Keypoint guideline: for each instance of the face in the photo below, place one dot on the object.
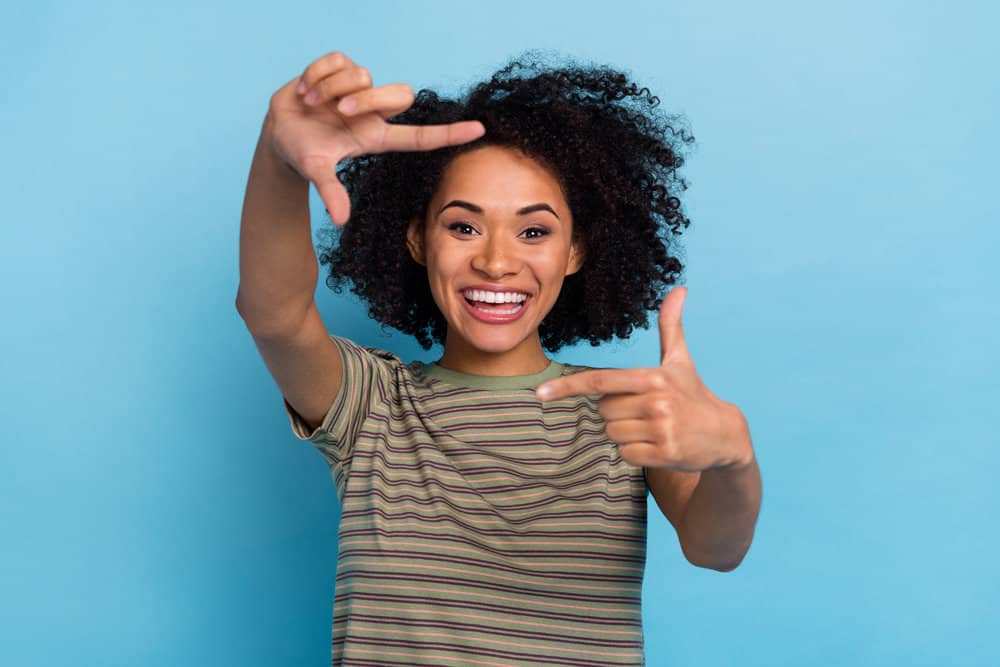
(498, 223)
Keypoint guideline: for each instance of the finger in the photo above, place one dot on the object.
(336, 199)
(630, 430)
(604, 381)
(672, 343)
(430, 137)
(323, 67)
(343, 82)
(321, 172)
(624, 406)
(387, 101)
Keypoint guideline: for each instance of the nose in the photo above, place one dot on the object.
(496, 258)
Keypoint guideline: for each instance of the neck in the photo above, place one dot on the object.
(527, 358)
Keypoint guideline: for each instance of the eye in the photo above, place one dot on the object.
(538, 232)
(463, 225)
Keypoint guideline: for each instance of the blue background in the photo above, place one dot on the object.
(155, 506)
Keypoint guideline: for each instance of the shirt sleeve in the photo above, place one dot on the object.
(366, 379)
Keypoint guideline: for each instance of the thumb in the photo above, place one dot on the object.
(672, 343)
(334, 196)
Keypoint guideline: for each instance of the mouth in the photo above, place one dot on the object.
(495, 308)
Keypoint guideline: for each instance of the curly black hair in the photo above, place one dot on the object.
(598, 134)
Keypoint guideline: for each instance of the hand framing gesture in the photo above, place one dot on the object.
(663, 416)
(332, 112)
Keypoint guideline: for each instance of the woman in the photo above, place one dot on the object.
(479, 523)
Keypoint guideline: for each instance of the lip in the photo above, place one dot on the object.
(493, 318)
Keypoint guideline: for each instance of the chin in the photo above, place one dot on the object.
(492, 338)
(496, 343)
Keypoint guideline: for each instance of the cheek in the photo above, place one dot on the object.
(554, 266)
(439, 272)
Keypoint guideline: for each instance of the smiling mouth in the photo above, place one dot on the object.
(496, 308)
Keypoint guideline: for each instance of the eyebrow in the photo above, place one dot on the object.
(476, 209)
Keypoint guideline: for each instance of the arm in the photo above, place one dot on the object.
(717, 524)
(696, 448)
(278, 268)
(278, 274)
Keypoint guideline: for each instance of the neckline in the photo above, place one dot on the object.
(433, 370)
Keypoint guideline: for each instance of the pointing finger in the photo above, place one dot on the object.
(430, 137)
(603, 381)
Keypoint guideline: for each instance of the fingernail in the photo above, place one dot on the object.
(347, 105)
(312, 96)
(543, 392)
(302, 86)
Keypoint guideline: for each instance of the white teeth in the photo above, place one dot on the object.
(494, 297)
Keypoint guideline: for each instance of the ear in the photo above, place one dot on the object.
(415, 241)
(577, 255)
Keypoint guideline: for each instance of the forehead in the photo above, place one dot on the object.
(497, 177)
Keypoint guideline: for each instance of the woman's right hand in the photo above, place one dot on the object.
(309, 129)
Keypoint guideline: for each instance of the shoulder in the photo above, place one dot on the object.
(372, 367)
(367, 353)
(582, 402)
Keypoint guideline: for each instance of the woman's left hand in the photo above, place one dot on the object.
(664, 417)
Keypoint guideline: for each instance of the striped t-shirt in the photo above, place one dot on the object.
(478, 525)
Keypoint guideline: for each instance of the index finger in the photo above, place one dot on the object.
(430, 137)
(599, 381)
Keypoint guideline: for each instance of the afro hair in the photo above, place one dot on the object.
(597, 132)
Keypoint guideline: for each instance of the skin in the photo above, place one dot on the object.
(497, 246)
